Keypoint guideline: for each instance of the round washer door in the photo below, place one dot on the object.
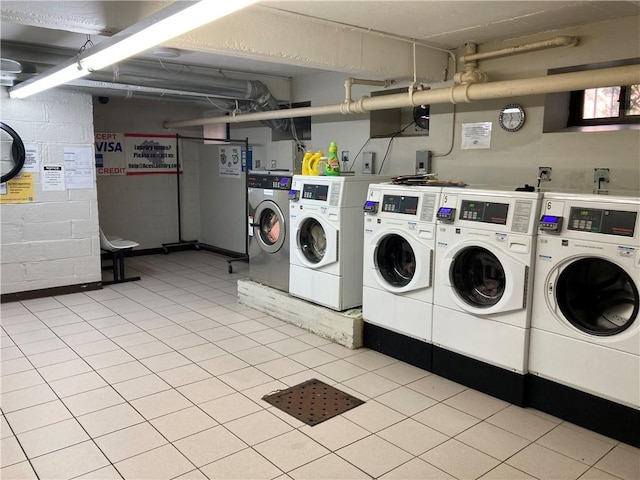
(478, 277)
(269, 226)
(395, 260)
(597, 296)
(312, 240)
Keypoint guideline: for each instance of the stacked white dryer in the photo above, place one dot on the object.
(585, 330)
(399, 244)
(485, 254)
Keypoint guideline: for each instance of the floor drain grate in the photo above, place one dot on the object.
(313, 401)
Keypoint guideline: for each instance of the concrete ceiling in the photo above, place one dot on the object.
(445, 24)
(450, 24)
(290, 39)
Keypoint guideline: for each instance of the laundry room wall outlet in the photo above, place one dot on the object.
(368, 159)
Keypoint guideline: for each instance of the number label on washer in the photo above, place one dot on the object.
(449, 199)
(553, 207)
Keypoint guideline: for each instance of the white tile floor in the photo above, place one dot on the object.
(163, 378)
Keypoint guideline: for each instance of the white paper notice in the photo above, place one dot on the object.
(79, 162)
(230, 165)
(31, 159)
(52, 178)
(476, 135)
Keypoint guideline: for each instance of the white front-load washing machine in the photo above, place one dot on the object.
(326, 239)
(399, 243)
(397, 292)
(585, 328)
(485, 245)
(268, 201)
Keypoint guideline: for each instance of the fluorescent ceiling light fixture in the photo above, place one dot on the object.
(170, 22)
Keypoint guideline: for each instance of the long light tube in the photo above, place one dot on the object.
(170, 22)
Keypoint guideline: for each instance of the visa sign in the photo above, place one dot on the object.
(108, 147)
(109, 152)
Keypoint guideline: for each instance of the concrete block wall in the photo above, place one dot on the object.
(52, 242)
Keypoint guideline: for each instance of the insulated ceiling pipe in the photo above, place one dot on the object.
(465, 93)
(349, 82)
(470, 59)
(252, 95)
(562, 41)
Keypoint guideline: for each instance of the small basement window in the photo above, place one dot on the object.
(605, 106)
(593, 109)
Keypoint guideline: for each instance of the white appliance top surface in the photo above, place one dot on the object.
(340, 178)
(470, 193)
(404, 188)
(281, 173)
(577, 198)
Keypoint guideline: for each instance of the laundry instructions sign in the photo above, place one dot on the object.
(230, 164)
(135, 153)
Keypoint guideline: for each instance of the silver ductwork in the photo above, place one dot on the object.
(152, 80)
(12, 71)
(228, 94)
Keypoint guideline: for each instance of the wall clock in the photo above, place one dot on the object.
(511, 117)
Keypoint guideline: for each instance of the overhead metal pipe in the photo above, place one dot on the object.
(465, 93)
(349, 82)
(561, 41)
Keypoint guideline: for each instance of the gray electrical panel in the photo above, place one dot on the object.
(368, 159)
(423, 162)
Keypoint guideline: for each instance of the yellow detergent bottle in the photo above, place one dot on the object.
(313, 162)
(333, 164)
(305, 162)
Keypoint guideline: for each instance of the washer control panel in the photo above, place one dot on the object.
(550, 223)
(446, 214)
(608, 222)
(400, 204)
(370, 206)
(485, 212)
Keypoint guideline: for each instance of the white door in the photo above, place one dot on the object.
(316, 242)
(400, 263)
(483, 280)
(595, 296)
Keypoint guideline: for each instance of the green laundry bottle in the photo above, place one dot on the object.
(333, 164)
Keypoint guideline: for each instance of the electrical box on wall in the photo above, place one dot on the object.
(387, 123)
(368, 159)
(423, 162)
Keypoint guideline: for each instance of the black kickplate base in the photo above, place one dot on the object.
(313, 401)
